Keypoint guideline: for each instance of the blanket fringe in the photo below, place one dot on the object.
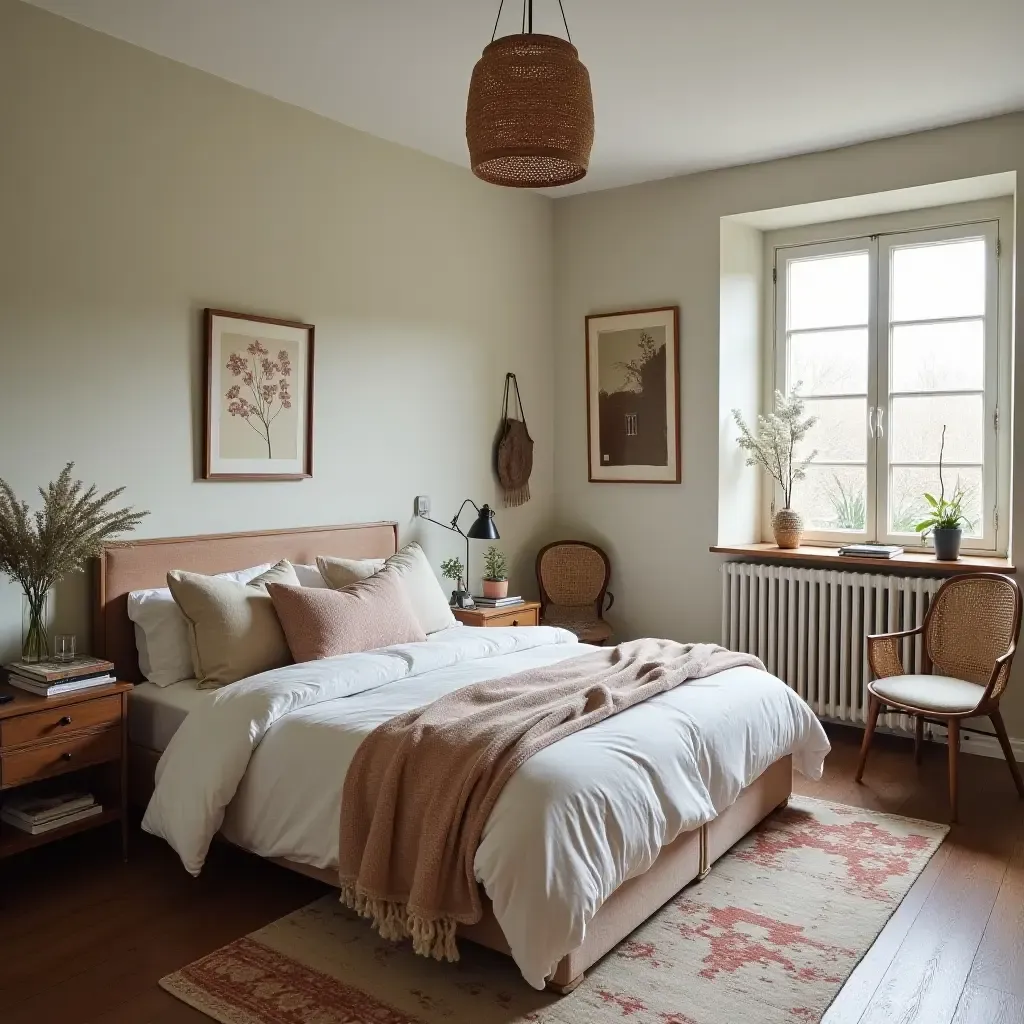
(431, 937)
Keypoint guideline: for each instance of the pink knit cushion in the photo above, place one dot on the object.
(360, 617)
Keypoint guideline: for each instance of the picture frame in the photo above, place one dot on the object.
(633, 437)
(257, 397)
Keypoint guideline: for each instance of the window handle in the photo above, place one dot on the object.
(878, 421)
(871, 421)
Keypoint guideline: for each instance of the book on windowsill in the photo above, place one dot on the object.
(60, 671)
(54, 823)
(871, 550)
(60, 688)
(34, 808)
(497, 602)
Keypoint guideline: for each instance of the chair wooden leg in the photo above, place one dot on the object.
(874, 707)
(918, 737)
(954, 761)
(1004, 742)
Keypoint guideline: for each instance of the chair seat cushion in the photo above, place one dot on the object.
(588, 631)
(940, 694)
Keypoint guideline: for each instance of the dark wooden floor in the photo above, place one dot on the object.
(84, 938)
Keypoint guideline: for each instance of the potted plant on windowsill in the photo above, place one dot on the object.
(773, 449)
(945, 520)
(495, 579)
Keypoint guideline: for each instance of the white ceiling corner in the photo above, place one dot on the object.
(679, 86)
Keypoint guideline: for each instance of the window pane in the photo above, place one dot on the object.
(829, 291)
(829, 362)
(939, 357)
(833, 498)
(909, 484)
(916, 429)
(840, 435)
(938, 280)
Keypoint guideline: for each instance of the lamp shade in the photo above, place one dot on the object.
(530, 115)
(483, 527)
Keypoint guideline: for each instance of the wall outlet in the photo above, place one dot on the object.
(422, 505)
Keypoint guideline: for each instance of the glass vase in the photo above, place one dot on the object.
(35, 636)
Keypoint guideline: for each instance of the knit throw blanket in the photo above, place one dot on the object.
(422, 785)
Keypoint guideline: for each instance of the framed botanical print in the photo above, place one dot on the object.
(258, 399)
(633, 397)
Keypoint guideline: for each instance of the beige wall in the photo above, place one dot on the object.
(135, 191)
(657, 244)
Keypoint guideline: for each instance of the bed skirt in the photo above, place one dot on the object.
(687, 859)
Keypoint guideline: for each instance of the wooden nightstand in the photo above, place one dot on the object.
(44, 737)
(525, 614)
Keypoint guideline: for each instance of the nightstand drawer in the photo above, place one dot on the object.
(52, 723)
(522, 617)
(40, 762)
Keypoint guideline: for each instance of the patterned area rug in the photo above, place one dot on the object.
(768, 937)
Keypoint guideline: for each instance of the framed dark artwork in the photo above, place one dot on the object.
(633, 397)
(258, 398)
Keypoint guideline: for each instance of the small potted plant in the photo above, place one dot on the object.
(453, 569)
(772, 449)
(495, 573)
(945, 520)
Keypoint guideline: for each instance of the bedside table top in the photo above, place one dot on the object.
(25, 703)
(485, 611)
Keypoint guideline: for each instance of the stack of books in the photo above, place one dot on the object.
(36, 814)
(52, 678)
(871, 550)
(496, 602)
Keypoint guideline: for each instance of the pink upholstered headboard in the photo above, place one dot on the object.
(142, 564)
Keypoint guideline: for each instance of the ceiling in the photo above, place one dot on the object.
(679, 86)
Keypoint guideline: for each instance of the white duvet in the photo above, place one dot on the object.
(266, 759)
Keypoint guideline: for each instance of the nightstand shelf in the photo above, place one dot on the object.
(13, 840)
(79, 736)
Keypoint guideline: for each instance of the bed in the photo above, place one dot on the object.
(252, 820)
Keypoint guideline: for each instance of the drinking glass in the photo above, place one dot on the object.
(64, 647)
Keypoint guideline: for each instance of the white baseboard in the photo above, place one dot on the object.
(977, 743)
(970, 742)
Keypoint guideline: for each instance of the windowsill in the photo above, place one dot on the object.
(918, 561)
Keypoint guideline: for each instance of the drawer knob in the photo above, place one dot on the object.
(515, 622)
(66, 756)
(66, 720)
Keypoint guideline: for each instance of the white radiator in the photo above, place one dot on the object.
(808, 626)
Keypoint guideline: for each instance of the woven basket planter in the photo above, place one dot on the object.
(530, 116)
(788, 527)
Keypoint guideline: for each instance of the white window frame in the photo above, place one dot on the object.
(991, 219)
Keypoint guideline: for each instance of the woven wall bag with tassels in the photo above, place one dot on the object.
(514, 450)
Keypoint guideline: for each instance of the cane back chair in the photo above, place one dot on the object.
(970, 635)
(572, 577)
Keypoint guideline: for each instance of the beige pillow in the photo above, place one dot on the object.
(344, 571)
(233, 628)
(364, 616)
(426, 598)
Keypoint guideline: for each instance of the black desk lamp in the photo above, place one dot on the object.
(483, 528)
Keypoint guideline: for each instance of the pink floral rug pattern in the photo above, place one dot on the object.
(768, 937)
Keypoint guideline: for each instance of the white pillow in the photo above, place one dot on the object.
(309, 576)
(161, 631)
(422, 589)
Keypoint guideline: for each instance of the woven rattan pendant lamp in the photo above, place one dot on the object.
(530, 116)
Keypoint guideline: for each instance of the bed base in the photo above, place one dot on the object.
(686, 860)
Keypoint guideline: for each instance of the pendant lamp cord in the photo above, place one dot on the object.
(527, 23)
(564, 22)
(496, 20)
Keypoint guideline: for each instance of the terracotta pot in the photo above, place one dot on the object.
(495, 588)
(788, 527)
